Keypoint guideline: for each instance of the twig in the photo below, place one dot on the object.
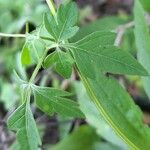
(120, 32)
(122, 28)
(119, 36)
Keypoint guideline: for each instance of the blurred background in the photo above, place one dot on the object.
(60, 133)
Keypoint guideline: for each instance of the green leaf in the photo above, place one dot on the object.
(22, 122)
(32, 50)
(63, 62)
(95, 51)
(51, 100)
(94, 118)
(19, 67)
(51, 59)
(142, 38)
(97, 39)
(25, 55)
(62, 28)
(83, 138)
(37, 48)
(119, 111)
(146, 4)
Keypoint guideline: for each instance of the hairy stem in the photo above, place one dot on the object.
(36, 70)
(13, 35)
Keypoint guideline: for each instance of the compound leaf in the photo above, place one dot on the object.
(62, 27)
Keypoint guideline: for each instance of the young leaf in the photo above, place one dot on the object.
(119, 111)
(95, 51)
(62, 27)
(22, 122)
(51, 59)
(37, 48)
(25, 55)
(142, 38)
(51, 100)
(32, 50)
(63, 62)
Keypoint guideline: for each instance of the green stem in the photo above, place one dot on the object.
(13, 35)
(36, 70)
(27, 27)
(51, 7)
